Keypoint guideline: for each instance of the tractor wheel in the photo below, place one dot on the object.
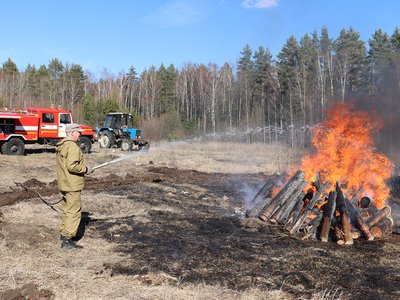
(126, 144)
(85, 144)
(107, 139)
(13, 146)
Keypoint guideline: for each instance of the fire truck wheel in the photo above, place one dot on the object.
(85, 144)
(126, 144)
(13, 147)
(107, 139)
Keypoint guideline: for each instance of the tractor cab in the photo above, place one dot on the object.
(118, 120)
(118, 131)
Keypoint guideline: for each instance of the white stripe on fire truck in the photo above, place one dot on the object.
(26, 128)
(49, 127)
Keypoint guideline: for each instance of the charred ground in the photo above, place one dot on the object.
(189, 226)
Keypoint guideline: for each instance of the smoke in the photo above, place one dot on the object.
(395, 207)
(386, 106)
(248, 192)
(387, 138)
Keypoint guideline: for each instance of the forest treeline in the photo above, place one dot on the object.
(289, 91)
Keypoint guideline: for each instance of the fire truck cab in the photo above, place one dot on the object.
(45, 126)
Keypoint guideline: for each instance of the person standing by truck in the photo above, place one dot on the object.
(71, 170)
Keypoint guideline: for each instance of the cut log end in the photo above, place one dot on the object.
(376, 232)
(355, 234)
(349, 242)
(383, 228)
(381, 214)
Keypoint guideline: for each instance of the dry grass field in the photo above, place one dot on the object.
(164, 224)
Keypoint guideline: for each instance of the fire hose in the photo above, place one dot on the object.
(93, 218)
(40, 196)
(50, 204)
(101, 165)
(94, 168)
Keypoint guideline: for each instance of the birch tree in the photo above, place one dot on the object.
(326, 47)
(214, 79)
(150, 87)
(202, 96)
(227, 92)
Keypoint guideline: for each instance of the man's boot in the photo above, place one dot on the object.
(67, 243)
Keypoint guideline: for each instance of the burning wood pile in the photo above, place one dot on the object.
(320, 213)
(341, 191)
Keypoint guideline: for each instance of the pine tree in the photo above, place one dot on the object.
(380, 59)
(168, 77)
(246, 83)
(55, 71)
(33, 85)
(262, 73)
(288, 67)
(324, 69)
(350, 61)
(307, 78)
(131, 86)
(90, 114)
(10, 73)
(43, 84)
(75, 78)
(262, 65)
(395, 41)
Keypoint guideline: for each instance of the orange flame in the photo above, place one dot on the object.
(345, 153)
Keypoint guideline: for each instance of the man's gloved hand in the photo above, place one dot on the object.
(89, 170)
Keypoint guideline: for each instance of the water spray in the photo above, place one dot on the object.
(168, 145)
(117, 160)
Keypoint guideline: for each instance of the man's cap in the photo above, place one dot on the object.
(73, 127)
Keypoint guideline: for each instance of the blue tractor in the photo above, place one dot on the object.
(118, 131)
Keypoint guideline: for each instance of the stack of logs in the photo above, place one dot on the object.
(318, 213)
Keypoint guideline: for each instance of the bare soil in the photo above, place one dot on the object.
(169, 224)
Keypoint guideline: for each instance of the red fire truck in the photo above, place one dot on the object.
(45, 126)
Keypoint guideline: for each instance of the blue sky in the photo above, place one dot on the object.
(113, 35)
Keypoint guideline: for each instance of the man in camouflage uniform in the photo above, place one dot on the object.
(71, 170)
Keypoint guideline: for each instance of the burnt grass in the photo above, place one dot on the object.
(201, 239)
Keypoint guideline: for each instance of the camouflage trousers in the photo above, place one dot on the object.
(71, 213)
